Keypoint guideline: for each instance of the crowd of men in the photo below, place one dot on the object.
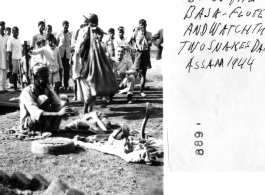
(52, 61)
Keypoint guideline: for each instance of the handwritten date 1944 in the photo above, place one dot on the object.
(219, 63)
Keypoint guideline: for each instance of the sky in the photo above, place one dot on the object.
(111, 14)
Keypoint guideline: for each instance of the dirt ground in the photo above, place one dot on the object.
(88, 170)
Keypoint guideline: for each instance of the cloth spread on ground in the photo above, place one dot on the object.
(133, 151)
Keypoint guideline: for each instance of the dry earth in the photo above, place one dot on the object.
(88, 170)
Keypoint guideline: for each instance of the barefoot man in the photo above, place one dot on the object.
(143, 42)
(40, 108)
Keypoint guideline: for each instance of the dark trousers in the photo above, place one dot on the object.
(14, 80)
(159, 53)
(66, 72)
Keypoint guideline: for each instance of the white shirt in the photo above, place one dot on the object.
(3, 43)
(52, 57)
(36, 37)
(121, 42)
(142, 40)
(64, 43)
(15, 46)
(120, 68)
(38, 59)
(125, 44)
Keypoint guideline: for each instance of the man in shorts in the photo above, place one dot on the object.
(14, 50)
(142, 62)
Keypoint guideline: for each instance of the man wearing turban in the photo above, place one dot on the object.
(40, 108)
(91, 67)
(82, 46)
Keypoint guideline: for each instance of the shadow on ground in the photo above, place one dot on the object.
(134, 113)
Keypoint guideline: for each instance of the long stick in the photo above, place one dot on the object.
(27, 60)
(21, 75)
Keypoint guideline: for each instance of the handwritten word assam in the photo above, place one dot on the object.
(219, 63)
(217, 13)
(223, 29)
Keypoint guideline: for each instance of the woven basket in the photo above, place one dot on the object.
(53, 146)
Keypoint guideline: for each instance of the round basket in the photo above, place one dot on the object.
(53, 146)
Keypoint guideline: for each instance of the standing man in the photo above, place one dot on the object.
(158, 41)
(64, 44)
(3, 58)
(110, 42)
(49, 31)
(143, 42)
(73, 41)
(40, 35)
(53, 59)
(80, 71)
(14, 50)
(124, 42)
(9, 72)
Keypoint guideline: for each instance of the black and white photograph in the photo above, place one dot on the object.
(81, 97)
(92, 103)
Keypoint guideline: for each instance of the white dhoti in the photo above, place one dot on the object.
(84, 91)
(3, 74)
